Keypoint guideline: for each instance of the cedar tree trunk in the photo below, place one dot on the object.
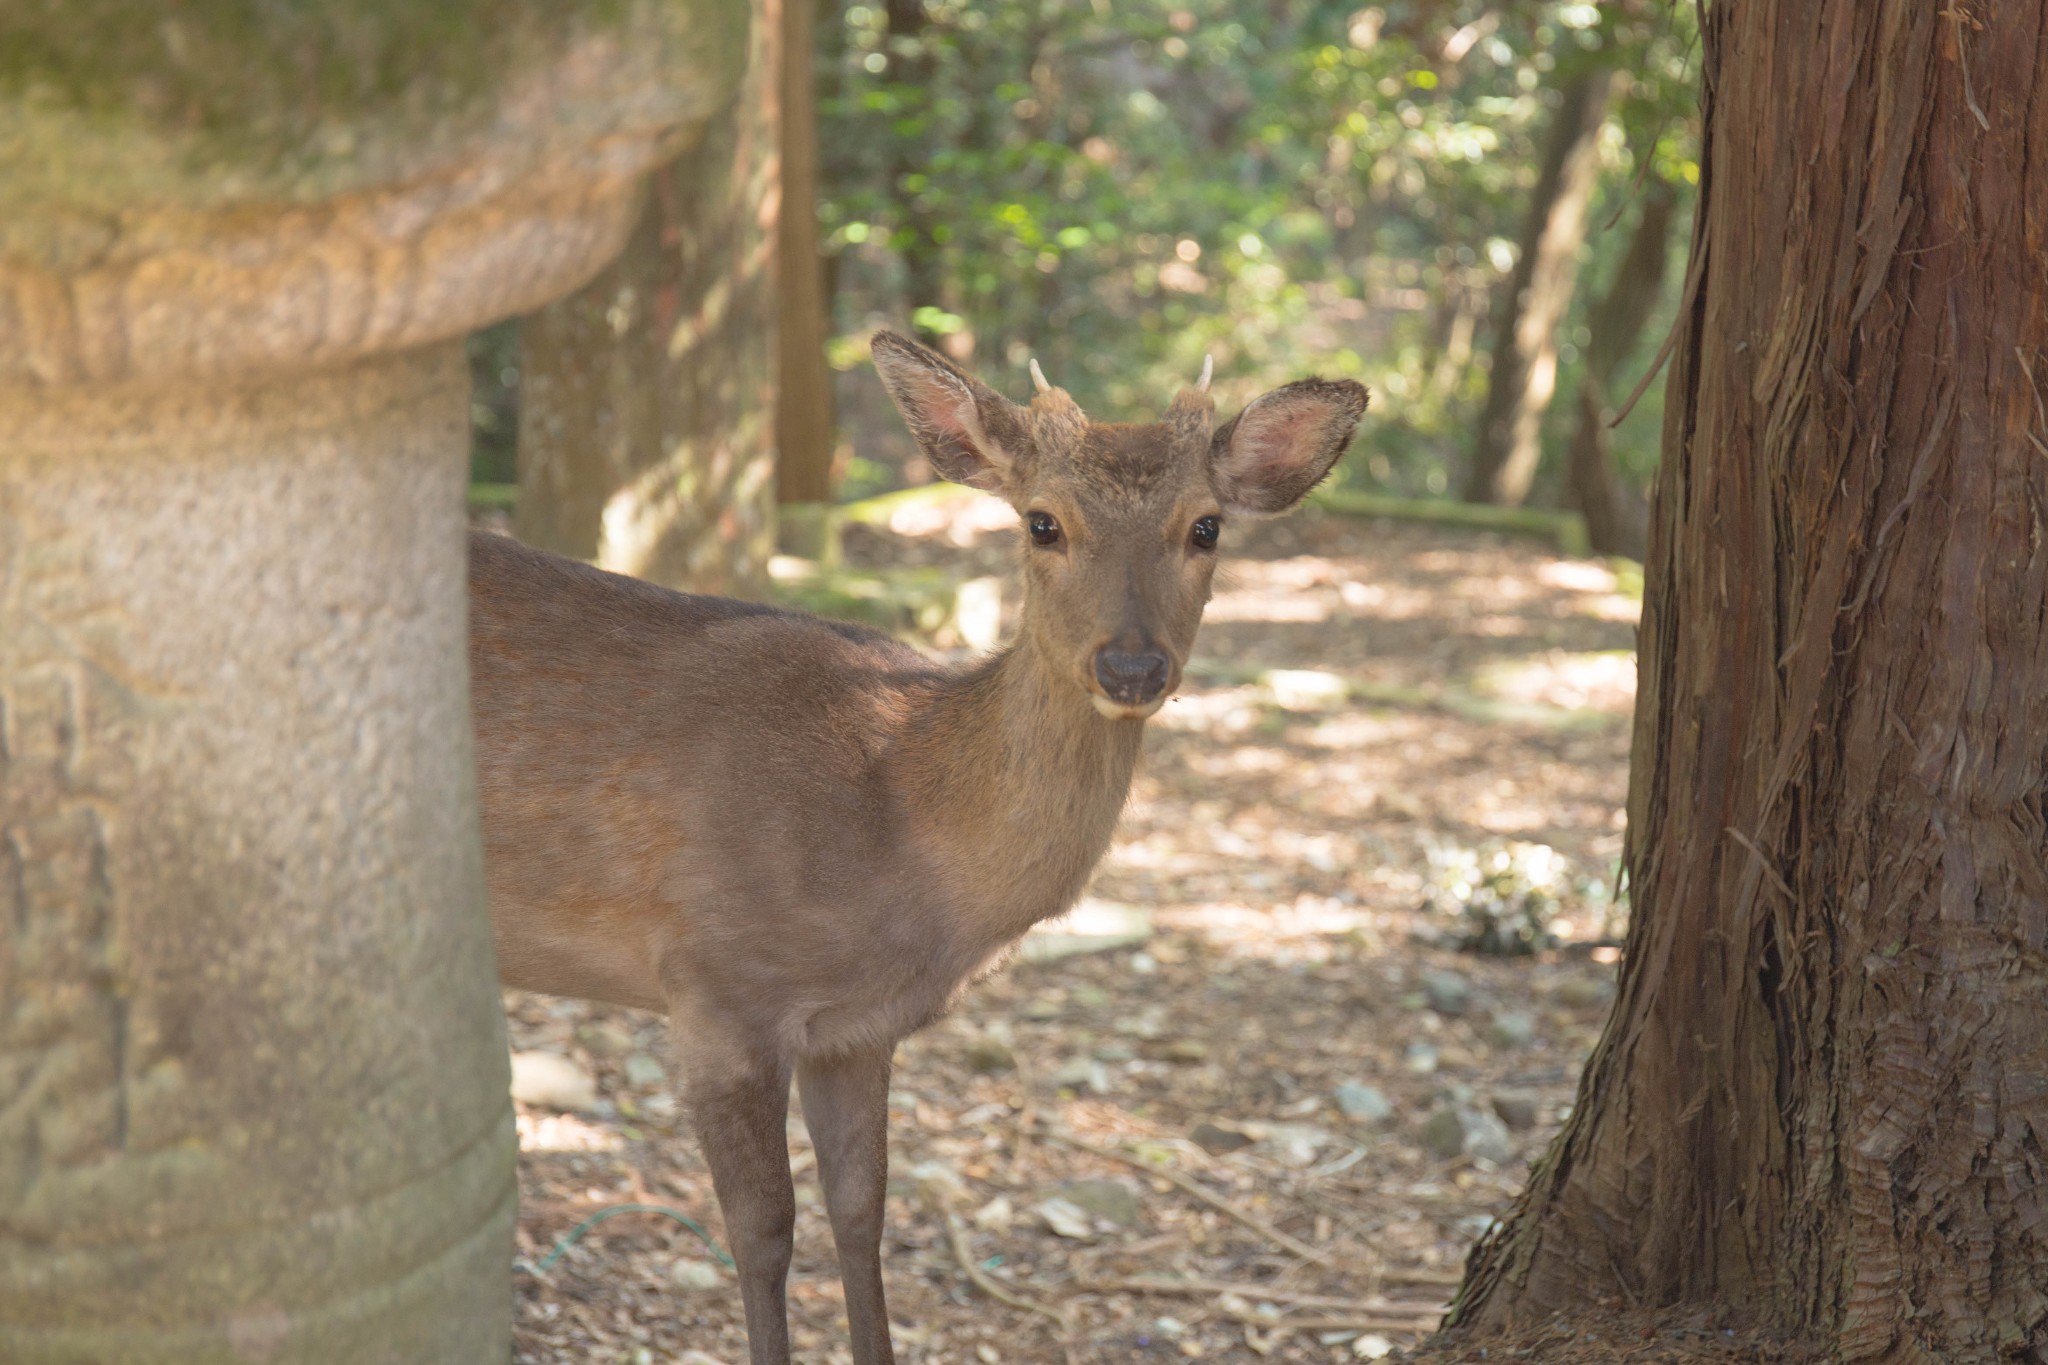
(1821, 1102)
(1524, 373)
(647, 429)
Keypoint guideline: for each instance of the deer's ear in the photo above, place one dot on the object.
(970, 433)
(1265, 459)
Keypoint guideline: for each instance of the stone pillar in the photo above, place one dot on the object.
(252, 1069)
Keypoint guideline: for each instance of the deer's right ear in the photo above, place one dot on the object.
(970, 433)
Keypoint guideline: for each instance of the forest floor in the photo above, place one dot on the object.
(1270, 1124)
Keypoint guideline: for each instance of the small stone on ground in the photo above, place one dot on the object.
(552, 1082)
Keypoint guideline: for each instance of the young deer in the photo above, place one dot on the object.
(801, 838)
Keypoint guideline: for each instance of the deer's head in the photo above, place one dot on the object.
(1121, 522)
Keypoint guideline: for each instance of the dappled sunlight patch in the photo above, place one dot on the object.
(1319, 588)
(1324, 592)
(1577, 575)
(1359, 596)
(1310, 928)
(565, 1133)
(1494, 590)
(959, 515)
(1600, 591)
(1497, 625)
(1442, 560)
(1305, 689)
(1210, 711)
(1603, 681)
(1259, 606)
(1360, 729)
(1389, 602)
(1160, 852)
(1243, 758)
(1612, 608)
(1504, 604)
(1296, 573)
(1511, 817)
(1507, 807)
(1095, 925)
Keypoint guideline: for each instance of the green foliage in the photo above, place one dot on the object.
(494, 404)
(1290, 186)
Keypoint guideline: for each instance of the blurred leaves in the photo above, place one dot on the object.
(1289, 185)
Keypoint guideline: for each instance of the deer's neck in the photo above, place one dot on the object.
(1018, 784)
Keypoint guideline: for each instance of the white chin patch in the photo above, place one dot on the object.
(1116, 710)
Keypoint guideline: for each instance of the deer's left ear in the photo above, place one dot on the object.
(1265, 459)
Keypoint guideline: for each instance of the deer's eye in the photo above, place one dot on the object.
(1207, 529)
(1044, 528)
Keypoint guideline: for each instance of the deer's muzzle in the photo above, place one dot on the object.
(1132, 679)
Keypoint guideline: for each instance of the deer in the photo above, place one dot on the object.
(802, 839)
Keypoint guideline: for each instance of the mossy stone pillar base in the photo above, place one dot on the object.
(253, 1085)
(253, 1091)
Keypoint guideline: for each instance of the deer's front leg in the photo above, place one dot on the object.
(740, 1107)
(846, 1107)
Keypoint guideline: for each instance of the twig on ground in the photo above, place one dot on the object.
(1027, 1114)
(1361, 1322)
(956, 1236)
(1269, 1293)
(1446, 1279)
(1337, 1166)
(1199, 1191)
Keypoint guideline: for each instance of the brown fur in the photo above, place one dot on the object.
(801, 838)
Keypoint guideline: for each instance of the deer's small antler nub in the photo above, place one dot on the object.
(1208, 368)
(1038, 377)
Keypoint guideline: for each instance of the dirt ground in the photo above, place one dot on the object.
(1271, 1127)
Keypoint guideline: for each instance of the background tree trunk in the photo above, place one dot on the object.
(1539, 290)
(913, 72)
(1616, 517)
(1821, 1100)
(803, 395)
(647, 425)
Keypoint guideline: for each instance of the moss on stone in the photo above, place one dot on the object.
(209, 102)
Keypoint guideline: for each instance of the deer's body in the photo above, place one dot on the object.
(784, 818)
(799, 838)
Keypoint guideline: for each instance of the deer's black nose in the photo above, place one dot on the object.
(1131, 679)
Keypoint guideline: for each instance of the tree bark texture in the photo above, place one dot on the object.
(647, 426)
(803, 395)
(1821, 1100)
(1524, 373)
(1616, 519)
